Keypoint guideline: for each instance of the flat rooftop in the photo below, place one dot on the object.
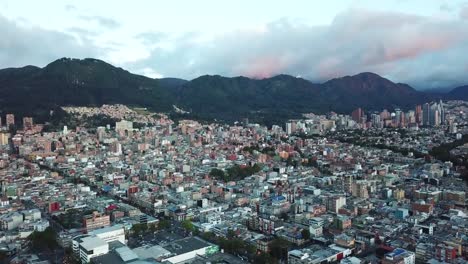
(187, 245)
(90, 243)
(106, 229)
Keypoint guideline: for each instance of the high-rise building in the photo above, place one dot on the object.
(289, 128)
(426, 114)
(384, 115)
(334, 203)
(453, 128)
(4, 138)
(442, 112)
(27, 123)
(359, 189)
(10, 120)
(376, 120)
(433, 114)
(419, 115)
(396, 116)
(402, 119)
(357, 115)
(101, 133)
(411, 117)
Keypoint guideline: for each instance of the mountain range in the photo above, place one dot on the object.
(34, 91)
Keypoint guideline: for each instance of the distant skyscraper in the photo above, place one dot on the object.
(397, 118)
(101, 132)
(426, 114)
(419, 115)
(442, 113)
(376, 121)
(27, 123)
(402, 119)
(411, 117)
(384, 115)
(289, 128)
(436, 114)
(10, 120)
(357, 115)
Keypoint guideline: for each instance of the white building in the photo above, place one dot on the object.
(123, 125)
(316, 227)
(110, 234)
(90, 247)
(11, 221)
(96, 243)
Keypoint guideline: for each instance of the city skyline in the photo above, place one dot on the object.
(417, 42)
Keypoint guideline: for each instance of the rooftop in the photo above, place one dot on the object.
(90, 243)
(186, 245)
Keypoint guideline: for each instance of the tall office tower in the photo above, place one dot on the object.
(426, 114)
(384, 115)
(375, 118)
(411, 117)
(293, 126)
(10, 120)
(402, 119)
(442, 113)
(435, 114)
(397, 117)
(27, 123)
(101, 133)
(357, 115)
(334, 203)
(418, 115)
(289, 128)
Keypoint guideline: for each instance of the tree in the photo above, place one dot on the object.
(188, 225)
(279, 248)
(305, 234)
(153, 228)
(264, 258)
(46, 240)
(231, 234)
(217, 173)
(163, 224)
(138, 229)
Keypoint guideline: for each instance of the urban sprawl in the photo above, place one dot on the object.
(370, 187)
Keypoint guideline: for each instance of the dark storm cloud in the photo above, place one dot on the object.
(21, 46)
(423, 51)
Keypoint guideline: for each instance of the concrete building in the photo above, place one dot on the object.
(399, 256)
(123, 125)
(87, 247)
(95, 220)
(334, 203)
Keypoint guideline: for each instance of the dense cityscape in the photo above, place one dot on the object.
(368, 187)
(234, 132)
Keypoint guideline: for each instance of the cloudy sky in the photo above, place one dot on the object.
(420, 42)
